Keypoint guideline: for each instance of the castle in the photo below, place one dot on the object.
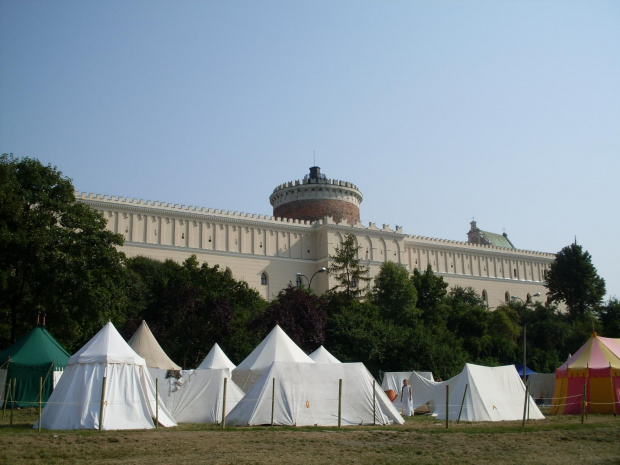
(310, 218)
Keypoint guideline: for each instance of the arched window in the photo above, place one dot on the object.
(485, 297)
(507, 296)
(298, 281)
(263, 279)
(353, 282)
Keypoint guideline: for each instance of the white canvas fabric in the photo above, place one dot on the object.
(276, 347)
(129, 401)
(198, 396)
(541, 387)
(144, 344)
(322, 355)
(493, 394)
(215, 359)
(394, 380)
(307, 394)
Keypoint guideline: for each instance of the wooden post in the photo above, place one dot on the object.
(273, 399)
(374, 403)
(40, 401)
(583, 403)
(102, 403)
(340, 403)
(6, 396)
(447, 403)
(613, 396)
(525, 402)
(224, 404)
(156, 403)
(13, 399)
(462, 402)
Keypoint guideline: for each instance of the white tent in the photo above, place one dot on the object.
(394, 380)
(198, 396)
(307, 394)
(486, 394)
(541, 387)
(322, 355)
(216, 358)
(129, 397)
(145, 345)
(276, 347)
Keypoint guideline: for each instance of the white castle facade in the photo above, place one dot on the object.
(268, 252)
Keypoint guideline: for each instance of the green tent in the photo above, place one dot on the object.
(36, 355)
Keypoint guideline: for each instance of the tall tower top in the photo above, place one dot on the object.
(316, 197)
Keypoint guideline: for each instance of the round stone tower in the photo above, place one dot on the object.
(315, 197)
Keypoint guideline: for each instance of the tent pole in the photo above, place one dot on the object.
(40, 401)
(527, 393)
(447, 403)
(340, 403)
(374, 404)
(613, 397)
(224, 404)
(6, 396)
(156, 403)
(462, 402)
(583, 403)
(273, 398)
(102, 403)
(13, 399)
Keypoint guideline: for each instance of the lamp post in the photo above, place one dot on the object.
(320, 270)
(525, 304)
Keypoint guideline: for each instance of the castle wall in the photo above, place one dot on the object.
(250, 245)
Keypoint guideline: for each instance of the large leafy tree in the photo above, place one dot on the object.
(572, 278)
(395, 294)
(300, 313)
(347, 269)
(56, 256)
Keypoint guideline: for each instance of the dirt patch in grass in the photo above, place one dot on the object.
(421, 440)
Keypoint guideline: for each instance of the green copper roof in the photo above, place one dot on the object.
(498, 240)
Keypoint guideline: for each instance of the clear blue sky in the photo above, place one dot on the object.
(439, 111)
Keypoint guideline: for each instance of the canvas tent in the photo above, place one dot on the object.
(198, 396)
(528, 370)
(276, 347)
(541, 387)
(146, 346)
(36, 355)
(478, 393)
(307, 394)
(128, 400)
(322, 355)
(394, 380)
(597, 366)
(216, 359)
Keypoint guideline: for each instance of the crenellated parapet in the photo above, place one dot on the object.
(316, 197)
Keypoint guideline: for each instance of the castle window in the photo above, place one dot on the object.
(353, 282)
(507, 296)
(515, 272)
(263, 279)
(298, 281)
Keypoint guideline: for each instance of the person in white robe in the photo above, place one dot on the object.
(406, 397)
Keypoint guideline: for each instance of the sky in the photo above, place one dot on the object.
(506, 112)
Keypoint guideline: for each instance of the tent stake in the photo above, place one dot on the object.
(374, 404)
(462, 402)
(156, 403)
(447, 403)
(102, 404)
(273, 399)
(40, 401)
(527, 393)
(340, 403)
(224, 404)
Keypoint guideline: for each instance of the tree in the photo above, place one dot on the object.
(394, 293)
(55, 255)
(300, 313)
(573, 279)
(347, 269)
(609, 316)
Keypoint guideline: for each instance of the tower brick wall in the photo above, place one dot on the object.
(317, 209)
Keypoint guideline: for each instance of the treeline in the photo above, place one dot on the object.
(57, 260)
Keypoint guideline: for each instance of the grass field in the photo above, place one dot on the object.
(421, 440)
